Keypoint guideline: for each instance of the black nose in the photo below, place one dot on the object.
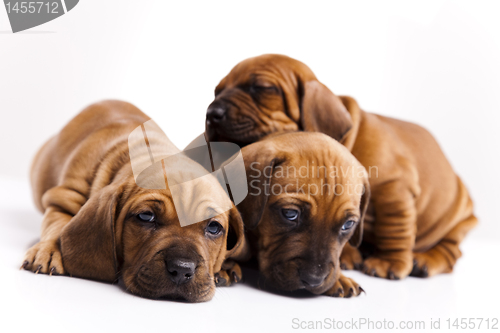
(180, 271)
(313, 279)
(216, 112)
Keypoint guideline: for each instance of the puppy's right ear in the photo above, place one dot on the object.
(357, 237)
(237, 246)
(260, 160)
(323, 112)
(88, 240)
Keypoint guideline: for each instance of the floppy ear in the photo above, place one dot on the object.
(357, 236)
(323, 112)
(291, 100)
(237, 246)
(260, 160)
(88, 240)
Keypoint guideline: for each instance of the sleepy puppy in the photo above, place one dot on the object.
(307, 198)
(99, 224)
(420, 210)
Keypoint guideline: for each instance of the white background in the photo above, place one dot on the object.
(435, 63)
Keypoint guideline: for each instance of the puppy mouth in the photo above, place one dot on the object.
(320, 289)
(151, 281)
(204, 293)
(286, 277)
(239, 127)
(241, 131)
(162, 289)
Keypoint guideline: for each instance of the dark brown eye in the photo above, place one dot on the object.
(214, 228)
(348, 225)
(146, 217)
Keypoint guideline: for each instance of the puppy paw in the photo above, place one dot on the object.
(229, 276)
(350, 258)
(392, 268)
(345, 287)
(429, 263)
(45, 258)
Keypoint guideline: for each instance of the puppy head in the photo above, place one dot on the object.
(273, 93)
(307, 198)
(134, 233)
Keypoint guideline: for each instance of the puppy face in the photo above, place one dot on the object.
(273, 93)
(307, 198)
(135, 233)
(163, 259)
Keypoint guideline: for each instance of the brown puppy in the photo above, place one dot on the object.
(307, 197)
(99, 224)
(420, 210)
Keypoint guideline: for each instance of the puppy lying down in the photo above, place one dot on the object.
(307, 198)
(99, 224)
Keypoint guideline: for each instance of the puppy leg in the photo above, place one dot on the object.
(394, 229)
(443, 256)
(230, 274)
(350, 258)
(45, 256)
(344, 287)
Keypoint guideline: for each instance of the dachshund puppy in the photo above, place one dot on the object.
(420, 210)
(99, 224)
(307, 198)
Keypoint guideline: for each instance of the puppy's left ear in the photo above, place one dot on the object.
(237, 246)
(88, 240)
(322, 111)
(357, 236)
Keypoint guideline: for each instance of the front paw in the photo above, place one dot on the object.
(391, 266)
(430, 263)
(350, 258)
(344, 287)
(45, 258)
(229, 275)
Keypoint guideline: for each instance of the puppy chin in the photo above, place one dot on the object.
(286, 277)
(197, 296)
(326, 285)
(194, 293)
(320, 289)
(151, 281)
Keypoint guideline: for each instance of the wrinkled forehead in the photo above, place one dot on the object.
(197, 193)
(326, 189)
(158, 200)
(271, 66)
(314, 170)
(254, 73)
(162, 202)
(303, 146)
(318, 170)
